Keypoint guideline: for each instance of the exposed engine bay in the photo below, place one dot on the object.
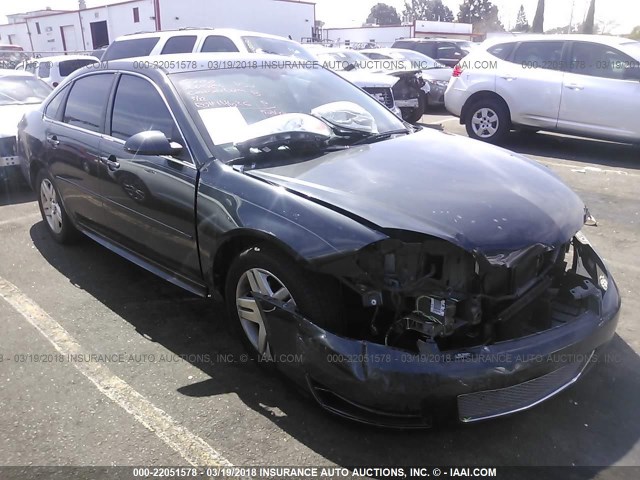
(418, 294)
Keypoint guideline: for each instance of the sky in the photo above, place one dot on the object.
(621, 15)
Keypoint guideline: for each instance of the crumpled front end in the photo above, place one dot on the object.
(444, 333)
(8, 156)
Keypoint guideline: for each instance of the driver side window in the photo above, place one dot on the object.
(138, 107)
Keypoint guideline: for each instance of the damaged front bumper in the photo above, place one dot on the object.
(386, 386)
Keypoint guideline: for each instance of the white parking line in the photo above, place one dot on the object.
(188, 445)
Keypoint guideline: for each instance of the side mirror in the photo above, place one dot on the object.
(152, 142)
(632, 73)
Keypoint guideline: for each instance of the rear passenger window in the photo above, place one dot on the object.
(44, 69)
(546, 55)
(53, 109)
(502, 51)
(87, 102)
(139, 47)
(218, 43)
(428, 49)
(179, 44)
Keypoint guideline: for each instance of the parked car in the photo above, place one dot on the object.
(417, 275)
(434, 73)
(210, 40)
(409, 91)
(11, 55)
(576, 84)
(19, 93)
(204, 40)
(447, 51)
(56, 68)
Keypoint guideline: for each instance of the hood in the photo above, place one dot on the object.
(10, 116)
(480, 197)
(438, 74)
(364, 79)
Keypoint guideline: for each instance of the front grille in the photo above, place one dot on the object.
(8, 147)
(494, 403)
(383, 95)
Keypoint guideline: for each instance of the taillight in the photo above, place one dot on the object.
(457, 71)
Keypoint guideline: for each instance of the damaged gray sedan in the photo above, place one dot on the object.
(397, 274)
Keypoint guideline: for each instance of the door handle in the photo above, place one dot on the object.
(111, 162)
(53, 140)
(509, 78)
(574, 86)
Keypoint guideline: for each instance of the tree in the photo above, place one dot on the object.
(589, 22)
(538, 20)
(635, 33)
(383, 14)
(482, 14)
(428, 10)
(522, 24)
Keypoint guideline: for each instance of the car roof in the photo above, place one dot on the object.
(231, 32)
(526, 37)
(5, 72)
(192, 62)
(62, 58)
(431, 39)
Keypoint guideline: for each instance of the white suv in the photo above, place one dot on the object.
(198, 40)
(583, 85)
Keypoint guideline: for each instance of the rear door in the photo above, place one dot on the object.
(72, 142)
(531, 83)
(149, 200)
(598, 99)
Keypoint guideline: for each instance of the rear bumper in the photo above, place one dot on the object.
(380, 385)
(455, 98)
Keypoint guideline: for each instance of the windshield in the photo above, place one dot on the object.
(225, 102)
(18, 90)
(277, 46)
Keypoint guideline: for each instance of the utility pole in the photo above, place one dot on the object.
(573, 6)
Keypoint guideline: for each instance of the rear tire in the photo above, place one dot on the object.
(53, 213)
(272, 273)
(488, 120)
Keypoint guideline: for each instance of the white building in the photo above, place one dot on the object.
(386, 35)
(46, 32)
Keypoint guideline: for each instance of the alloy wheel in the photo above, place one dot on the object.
(485, 123)
(50, 206)
(258, 280)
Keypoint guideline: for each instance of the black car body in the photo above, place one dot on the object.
(465, 285)
(446, 51)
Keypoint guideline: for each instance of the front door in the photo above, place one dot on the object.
(598, 100)
(149, 199)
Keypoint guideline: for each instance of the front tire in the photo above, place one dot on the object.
(269, 272)
(488, 121)
(53, 213)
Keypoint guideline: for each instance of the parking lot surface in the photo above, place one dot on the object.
(167, 355)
